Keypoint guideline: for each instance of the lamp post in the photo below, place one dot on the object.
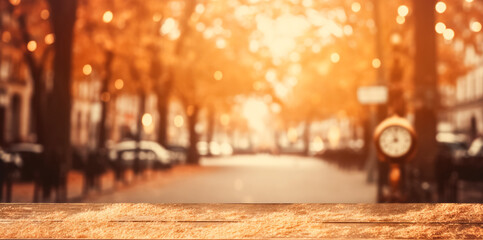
(3, 104)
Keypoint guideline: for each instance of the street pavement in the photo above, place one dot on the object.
(249, 179)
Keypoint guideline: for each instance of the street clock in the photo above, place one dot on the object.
(395, 140)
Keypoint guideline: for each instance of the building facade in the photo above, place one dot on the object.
(465, 101)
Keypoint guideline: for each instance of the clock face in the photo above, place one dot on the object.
(395, 141)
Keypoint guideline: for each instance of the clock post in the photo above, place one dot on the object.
(395, 141)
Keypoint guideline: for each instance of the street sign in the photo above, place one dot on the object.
(372, 95)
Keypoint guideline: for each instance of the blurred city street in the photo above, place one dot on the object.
(229, 101)
(250, 179)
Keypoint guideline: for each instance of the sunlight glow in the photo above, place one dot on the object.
(292, 135)
(396, 38)
(254, 46)
(178, 121)
(15, 2)
(218, 75)
(32, 46)
(335, 57)
(157, 17)
(44, 14)
(318, 144)
(475, 26)
(200, 8)
(220, 43)
(376, 63)
(279, 34)
(119, 84)
(87, 69)
(440, 7)
(334, 136)
(271, 76)
(255, 111)
(107, 17)
(147, 119)
(170, 29)
(403, 10)
(356, 7)
(440, 27)
(49, 39)
(348, 30)
(225, 119)
(448, 34)
(6, 36)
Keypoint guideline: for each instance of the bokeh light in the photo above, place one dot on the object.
(107, 16)
(376, 63)
(440, 7)
(15, 2)
(147, 119)
(178, 121)
(44, 14)
(49, 39)
(218, 75)
(475, 26)
(403, 10)
(157, 17)
(225, 119)
(440, 27)
(32, 46)
(356, 7)
(119, 84)
(335, 57)
(448, 34)
(6, 36)
(87, 69)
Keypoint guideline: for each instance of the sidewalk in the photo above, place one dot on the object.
(23, 192)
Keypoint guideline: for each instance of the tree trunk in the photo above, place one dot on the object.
(101, 143)
(308, 123)
(211, 128)
(37, 100)
(163, 92)
(37, 103)
(139, 135)
(425, 80)
(57, 145)
(163, 111)
(193, 155)
(2, 116)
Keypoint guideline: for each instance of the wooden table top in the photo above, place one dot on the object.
(242, 221)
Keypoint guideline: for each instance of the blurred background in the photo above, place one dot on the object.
(238, 100)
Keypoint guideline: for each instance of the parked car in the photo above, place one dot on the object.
(214, 148)
(9, 164)
(203, 148)
(178, 154)
(470, 167)
(150, 154)
(455, 162)
(223, 149)
(455, 145)
(31, 156)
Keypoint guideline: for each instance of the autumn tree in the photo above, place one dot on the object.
(209, 62)
(57, 146)
(35, 43)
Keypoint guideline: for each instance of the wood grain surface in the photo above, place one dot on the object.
(242, 221)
